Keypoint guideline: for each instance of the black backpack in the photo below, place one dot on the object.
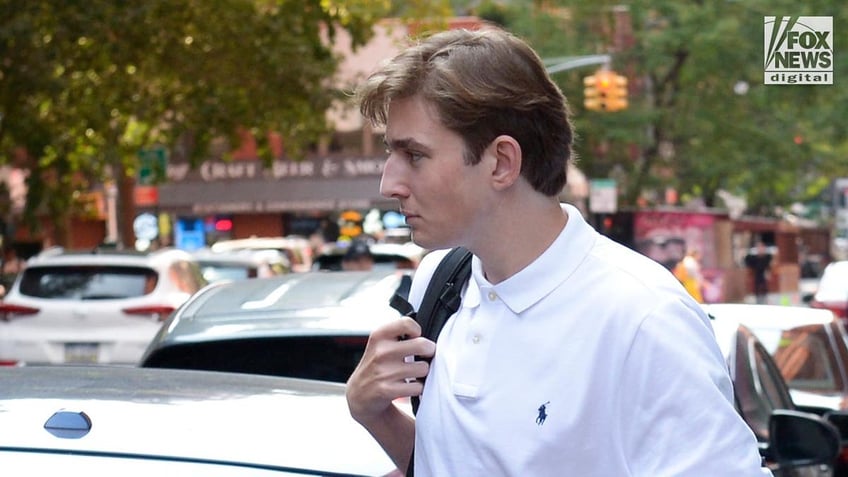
(441, 300)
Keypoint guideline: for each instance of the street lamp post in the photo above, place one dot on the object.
(565, 63)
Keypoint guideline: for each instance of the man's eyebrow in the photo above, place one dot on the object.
(405, 143)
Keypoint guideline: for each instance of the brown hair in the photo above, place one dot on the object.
(482, 84)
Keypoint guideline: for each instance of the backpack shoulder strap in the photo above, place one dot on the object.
(442, 297)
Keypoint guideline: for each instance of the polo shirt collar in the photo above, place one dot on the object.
(552, 268)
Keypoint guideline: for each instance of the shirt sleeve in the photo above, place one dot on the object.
(678, 416)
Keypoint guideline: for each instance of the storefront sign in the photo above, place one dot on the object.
(603, 196)
(318, 168)
(260, 206)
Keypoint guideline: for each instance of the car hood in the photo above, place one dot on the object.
(261, 420)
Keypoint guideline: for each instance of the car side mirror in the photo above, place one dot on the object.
(840, 420)
(800, 439)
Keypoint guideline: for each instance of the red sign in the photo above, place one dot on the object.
(146, 195)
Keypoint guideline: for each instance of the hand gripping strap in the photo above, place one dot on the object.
(441, 300)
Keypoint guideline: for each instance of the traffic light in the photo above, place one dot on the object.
(618, 93)
(591, 94)
(605, 91)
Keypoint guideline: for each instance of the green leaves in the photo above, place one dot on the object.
(700, 118)
(86, 84)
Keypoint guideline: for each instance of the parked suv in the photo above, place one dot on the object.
(101, 306)
(310, 325)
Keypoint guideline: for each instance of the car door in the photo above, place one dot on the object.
(759, 391)
(760, 388)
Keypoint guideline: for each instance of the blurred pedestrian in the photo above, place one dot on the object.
(570, 354)
(688, 272)
(358, 256)
(760, 264)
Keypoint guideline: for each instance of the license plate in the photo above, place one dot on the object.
(81, 352)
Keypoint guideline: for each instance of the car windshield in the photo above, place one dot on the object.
(805, 358)
(221, 271)
(87, 282)
(297, 292)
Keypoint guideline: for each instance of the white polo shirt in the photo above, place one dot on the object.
(592, 361)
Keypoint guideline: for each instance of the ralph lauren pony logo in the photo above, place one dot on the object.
(543, 414)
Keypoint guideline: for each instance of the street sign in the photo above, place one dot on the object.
(603, 196)
(842, 219)
(152, 165)
(145, 195)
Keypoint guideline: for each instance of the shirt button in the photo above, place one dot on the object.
(492, 296)
(475, 339)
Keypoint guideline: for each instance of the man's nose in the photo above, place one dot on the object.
(391, 182)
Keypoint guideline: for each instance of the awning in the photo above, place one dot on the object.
(268, 196)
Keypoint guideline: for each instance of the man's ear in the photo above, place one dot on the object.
(507, 166)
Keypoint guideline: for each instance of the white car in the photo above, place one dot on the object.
(809, 345)
(92, 307)
(793, 443)
(99, 421)
(241, 264)
(392, 256)
(297, 249)
(311, 325)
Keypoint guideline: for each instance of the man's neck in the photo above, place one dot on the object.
(524, 234)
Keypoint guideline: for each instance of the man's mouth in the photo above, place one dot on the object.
(407, 213)
(409, 216)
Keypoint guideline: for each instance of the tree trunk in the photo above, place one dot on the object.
(126, 208)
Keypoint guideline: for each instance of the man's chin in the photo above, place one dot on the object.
(429, 242)
(421, 240)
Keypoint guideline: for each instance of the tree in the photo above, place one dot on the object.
(85, 85)
(700, 118)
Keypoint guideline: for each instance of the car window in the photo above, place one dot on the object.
(759, 386)
(221, 271)
(326, 358)
(772, 385)
(840, 340)
(186, 276)
(87, 282)
(805, 359)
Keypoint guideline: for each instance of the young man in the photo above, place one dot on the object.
(570, 355)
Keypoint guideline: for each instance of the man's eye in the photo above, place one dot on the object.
(411, 156)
